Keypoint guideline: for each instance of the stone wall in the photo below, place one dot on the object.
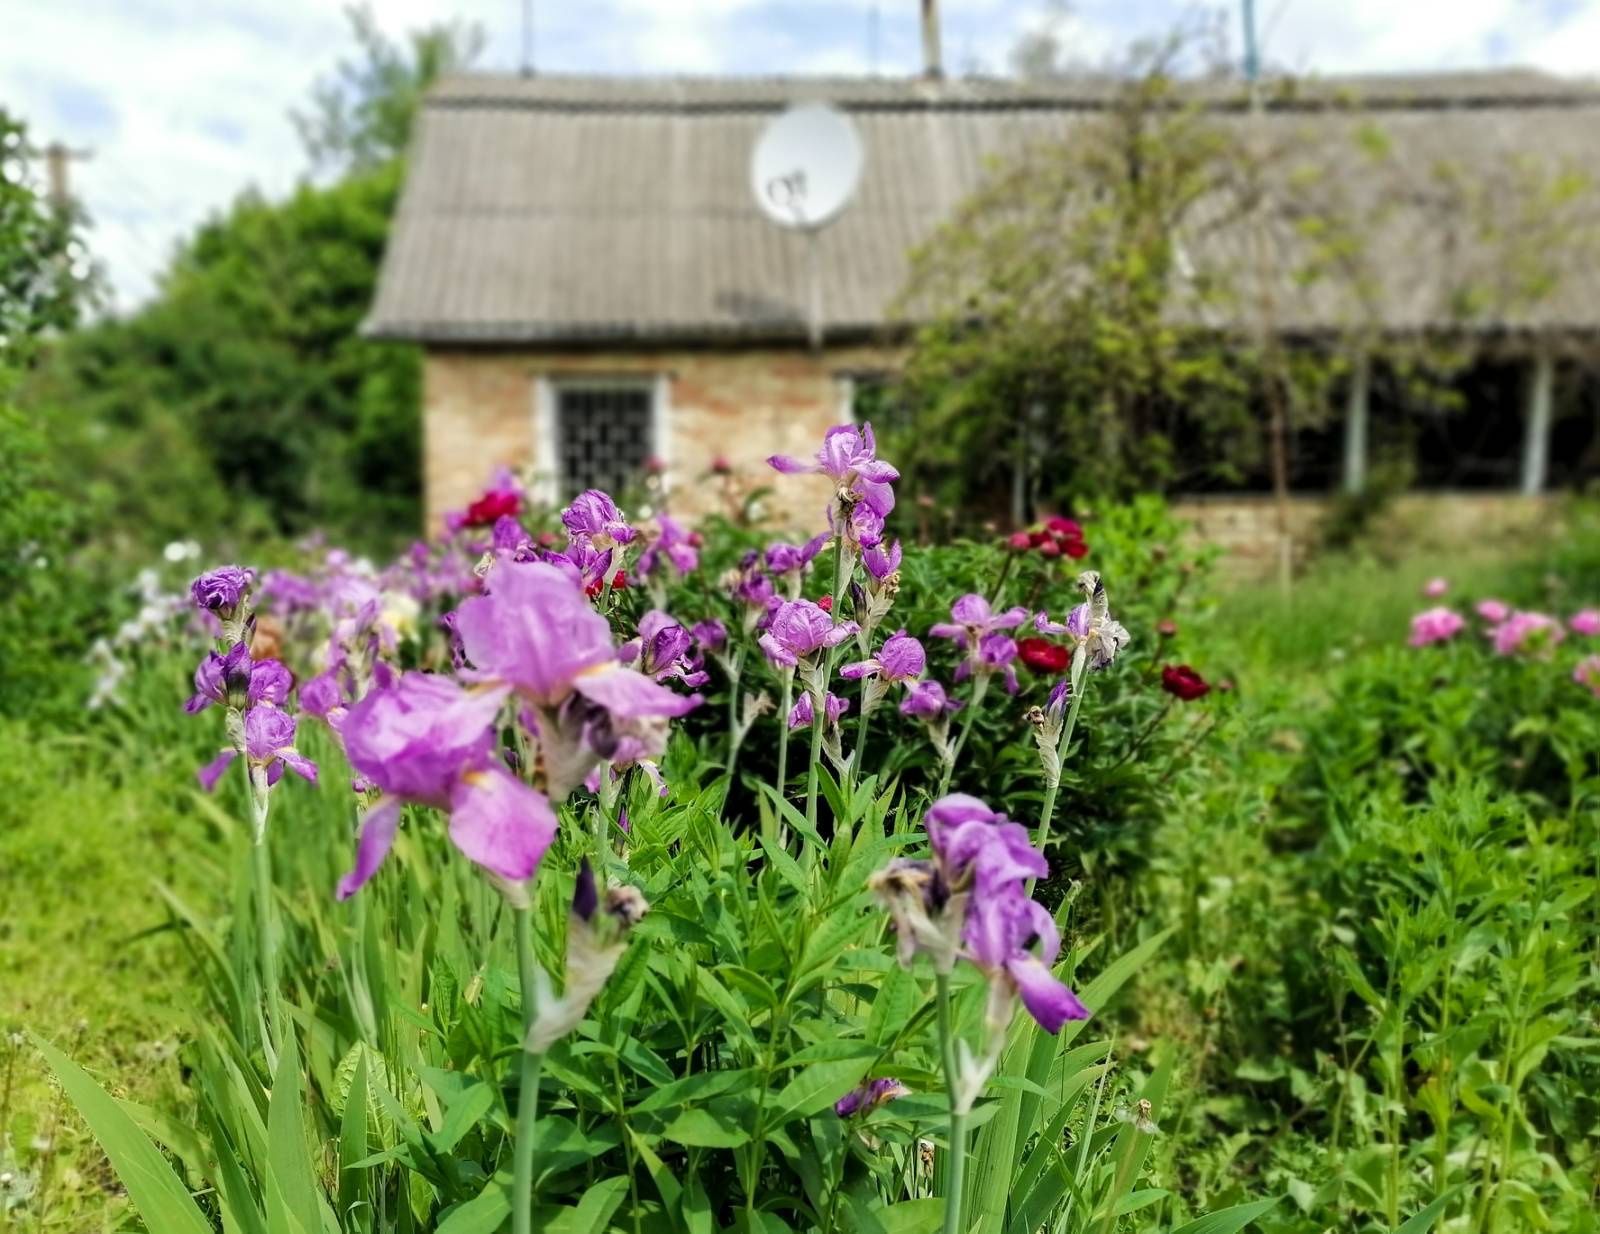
(1245, 526)
(741, 405)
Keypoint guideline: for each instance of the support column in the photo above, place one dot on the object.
(1355, 425)
(1536, 424)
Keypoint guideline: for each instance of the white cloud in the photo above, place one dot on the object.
(186, 102)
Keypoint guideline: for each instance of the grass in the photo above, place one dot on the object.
(86, 830)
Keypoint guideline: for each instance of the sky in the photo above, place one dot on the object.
(181, 104)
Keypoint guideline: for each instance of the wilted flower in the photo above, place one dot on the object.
(597, 935)
(662, 648)
(1183, 683)
(869, 1096)
(1436, 625)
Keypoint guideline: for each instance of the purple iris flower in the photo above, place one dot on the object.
(535, 632)
(427, 740)
(323, 697)
(999, 932)
(869, 1096)
(220, 591)
(662, 648)
(268, 743)
(927, 700)
(803, 714)
(849, 457)
(215, 674)
(995, 653)
(510, 537)
(881, 563)
(585, 566)
(673, 543)
(801, 628)
(901, 658)
(971, 618)
(984, 861)
(710, 635)
(593, 517)
(969, 838)
(783, 558)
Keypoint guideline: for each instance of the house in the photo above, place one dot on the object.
(593, 285)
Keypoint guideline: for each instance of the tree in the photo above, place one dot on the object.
(46, 278)
(360, 117)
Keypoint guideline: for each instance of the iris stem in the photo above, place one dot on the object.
(783, 730)
(980, 687)
(266, 948)
(819, 717)
(956, 1167)
(858, 759)
(528, 1085)
(735, 737)
(1048, 809)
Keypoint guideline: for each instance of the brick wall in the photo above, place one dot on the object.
(1245, 527)
(478, 411)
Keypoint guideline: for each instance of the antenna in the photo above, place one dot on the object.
(803, 172)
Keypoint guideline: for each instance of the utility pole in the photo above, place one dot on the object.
(527, 38)
(58, 172)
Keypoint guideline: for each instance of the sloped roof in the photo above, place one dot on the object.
(590, 210)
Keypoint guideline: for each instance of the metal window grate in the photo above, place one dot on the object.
(603, 435)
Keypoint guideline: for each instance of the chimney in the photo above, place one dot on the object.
(932, 61)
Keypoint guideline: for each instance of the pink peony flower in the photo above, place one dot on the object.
(1587, 674)
(1527, 632)
(1586, 621)
(1435, 587)
(1437, 625)
(1493, 611)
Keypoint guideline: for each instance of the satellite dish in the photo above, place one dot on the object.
(806, 166)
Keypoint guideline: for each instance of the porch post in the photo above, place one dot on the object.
(1537, 422)
(1355, 425)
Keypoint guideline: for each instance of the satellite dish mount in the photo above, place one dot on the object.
(803, 173)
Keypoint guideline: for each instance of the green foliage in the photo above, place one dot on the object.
(360, 117)
(45, 276)
(243, 394)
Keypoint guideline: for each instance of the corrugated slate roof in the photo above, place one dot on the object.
(587, 210)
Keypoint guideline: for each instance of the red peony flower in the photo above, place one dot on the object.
(1183, 683)
(1050, 549)
(1067, 527)
(826, 604)
(619, 580)
(1043, 656)
(1075, 549)
(491, 506)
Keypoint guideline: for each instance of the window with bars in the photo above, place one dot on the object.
(604, 432)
